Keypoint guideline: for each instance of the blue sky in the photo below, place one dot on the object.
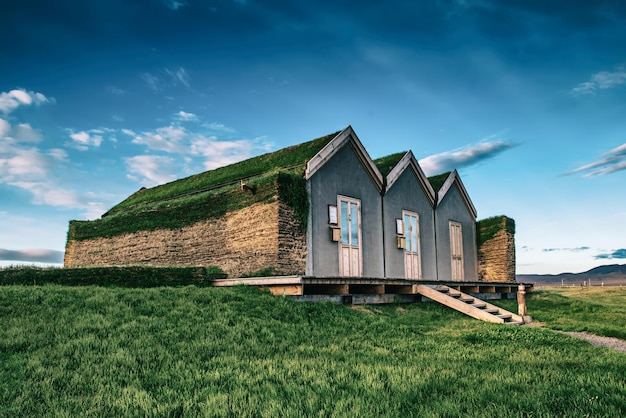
(526, 98)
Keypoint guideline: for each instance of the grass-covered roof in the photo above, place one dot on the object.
(489, 227)
(438, 180)
(285, 158)
(386, 164)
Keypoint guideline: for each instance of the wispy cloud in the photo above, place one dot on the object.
(20, 133)
(464, 157)
(9, 101)
(116, 91)
(174, 4)
(178, 76)
(151, 80)
(166, 77)
(220, 127)
(32, 255)
(82, 140)
(152, 168)
(571, 250)
(220, 153)
(611, 162)
(167, 138)
(601, 80)
(174, 149)
(185, 116)
(620, 253)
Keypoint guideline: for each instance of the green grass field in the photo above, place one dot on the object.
(189, 351)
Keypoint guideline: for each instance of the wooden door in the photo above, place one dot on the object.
(456, 251)
(412, 253)
(349, 246)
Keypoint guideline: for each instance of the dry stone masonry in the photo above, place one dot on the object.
(243, 242)
(496, 256)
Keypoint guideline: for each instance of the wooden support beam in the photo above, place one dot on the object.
(368, 289)
(408, 289)
(289, 290)
(326, 289)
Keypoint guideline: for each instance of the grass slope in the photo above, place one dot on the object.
(386, 164)
(287, 157)
(90, 351)
(289, 186)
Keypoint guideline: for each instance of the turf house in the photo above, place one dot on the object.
(322, 208)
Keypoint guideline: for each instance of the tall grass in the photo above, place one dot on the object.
(598, 310)
(90, 351)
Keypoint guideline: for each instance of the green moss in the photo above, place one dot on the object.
(296, 155)
(292, 191)
(178, 213)
(438, 180)
(386, 164)
(489, 227)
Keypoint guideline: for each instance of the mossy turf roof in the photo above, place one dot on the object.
(386, 164)
(285, 158)
(438, 180)
(488, 228)
(288, 186)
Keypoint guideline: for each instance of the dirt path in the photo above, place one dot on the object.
(597, 340)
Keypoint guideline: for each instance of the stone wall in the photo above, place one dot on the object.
(242, 242)
(292, 248)
(496, 256)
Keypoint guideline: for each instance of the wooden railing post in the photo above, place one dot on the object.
(521, 300)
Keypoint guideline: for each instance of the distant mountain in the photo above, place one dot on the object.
(610, 275)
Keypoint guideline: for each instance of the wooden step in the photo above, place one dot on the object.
(468, 305)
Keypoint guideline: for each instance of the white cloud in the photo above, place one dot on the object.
(5, 128)
(182, 115)
(153, 169)
(58, 154)
(612, 161)
(600, 80)
(128, 132)
(23, 164)
(449, 160)
(166, 139)
(84, 139)
(23, 132)
(220, 153)
(9, 101)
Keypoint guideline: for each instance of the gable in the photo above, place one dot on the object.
(408, 162)
(455, 179)
(345, 137)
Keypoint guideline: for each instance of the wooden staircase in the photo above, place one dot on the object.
(469, 305)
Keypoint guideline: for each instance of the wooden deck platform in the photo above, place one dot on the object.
(361, 290)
